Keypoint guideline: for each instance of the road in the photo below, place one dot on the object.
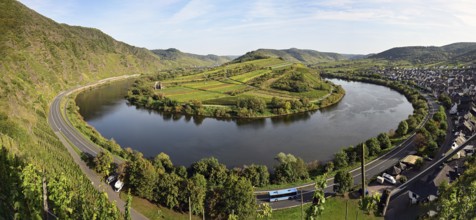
(372, 168)
(69, 135)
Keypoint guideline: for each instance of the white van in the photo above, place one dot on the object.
(118, 185)
(389, 178)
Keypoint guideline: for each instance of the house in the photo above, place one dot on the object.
(159, 85)
(411, 159)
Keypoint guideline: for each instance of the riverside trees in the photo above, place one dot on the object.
(206, 180)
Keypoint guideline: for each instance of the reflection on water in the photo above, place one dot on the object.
(364, 112)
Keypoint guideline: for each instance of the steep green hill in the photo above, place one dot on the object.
(38, 59)
(293, 55)
(457, 52)
(176, 57)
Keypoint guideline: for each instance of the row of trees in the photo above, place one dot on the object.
(432, 135)
(209, 186)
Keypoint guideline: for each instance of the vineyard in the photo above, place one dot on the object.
(264, 87)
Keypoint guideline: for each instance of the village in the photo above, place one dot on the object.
(459, 86)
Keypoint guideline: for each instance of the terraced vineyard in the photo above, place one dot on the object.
(276, 86)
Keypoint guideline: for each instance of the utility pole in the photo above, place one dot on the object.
(362, 168)
(45, 197)
(189, 208)
(302, 207)
(346, 208)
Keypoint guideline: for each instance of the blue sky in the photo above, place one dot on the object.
(234, 27)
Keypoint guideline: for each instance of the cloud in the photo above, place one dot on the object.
(192, 10)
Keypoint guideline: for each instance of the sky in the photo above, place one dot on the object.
(234, 27)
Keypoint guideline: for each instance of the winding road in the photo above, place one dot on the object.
(71, 138)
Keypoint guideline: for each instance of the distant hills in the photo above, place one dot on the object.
(176, 57)
(452, 53)
(295, 55)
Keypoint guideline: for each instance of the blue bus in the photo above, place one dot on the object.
(284, 194)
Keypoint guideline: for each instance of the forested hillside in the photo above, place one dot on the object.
(38, 59)
(294, 55)
(451, 53)
(176, 57)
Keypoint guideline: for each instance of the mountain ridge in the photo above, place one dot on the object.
(305, 56)
(177, 57)
(451, 53)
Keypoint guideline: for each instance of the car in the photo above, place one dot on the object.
(380, 179)
(118, 185)
(110, 179)
(389, 178)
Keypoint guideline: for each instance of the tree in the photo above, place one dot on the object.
(290, 169)
(431, 126)
(257, 174)
(141, 176)
(369, 203)
(127, 206)
(162, 162)
(196, 189)
(168, 190)
(384, 141)
(102, 163)
(351, 154)
(341, 159)
(329, 166)
(402, 128)
(445, 99)
(215, 172)
(343, 181)
(373, 145)
(319, 198)
(358, 149)
(265, 211)
(419, 163)
(235, 196)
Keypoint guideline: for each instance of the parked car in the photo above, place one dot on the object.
(380, 179)
(118, 185)
(389, 178)
(110, 179)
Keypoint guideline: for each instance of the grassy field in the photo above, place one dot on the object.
(152, 211)
(233, 81)
(335, 208)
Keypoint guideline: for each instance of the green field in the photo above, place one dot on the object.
(257, 88)
(230, 82)
(335, 208)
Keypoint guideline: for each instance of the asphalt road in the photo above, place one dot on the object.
(372, 168)
(69, 135)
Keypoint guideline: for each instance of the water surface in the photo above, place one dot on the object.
(365, 111)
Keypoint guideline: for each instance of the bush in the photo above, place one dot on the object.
(403, 179)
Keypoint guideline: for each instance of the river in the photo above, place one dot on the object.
(365, 111)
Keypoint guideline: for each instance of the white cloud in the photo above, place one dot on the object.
(192, 10)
